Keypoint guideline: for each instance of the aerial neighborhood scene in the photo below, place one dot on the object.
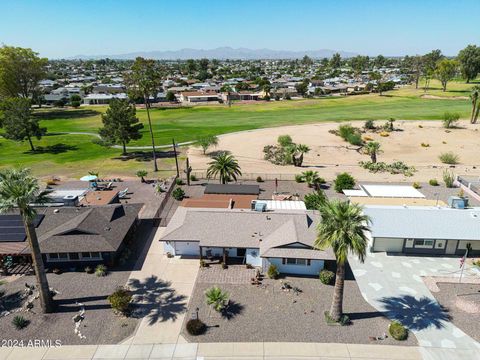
(240, 180)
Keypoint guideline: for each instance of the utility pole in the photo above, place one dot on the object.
(175, 153)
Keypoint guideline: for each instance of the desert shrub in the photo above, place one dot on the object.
(384, 134)
(449, 158)
(57, 271)
(273, 272)
(433, 182)
(344, 181)
(88, 270)
(101, 270)
(397, 167)
(299, 178)
(120, 300)
(425, 144)
(450, 120)
(416, 185)
(448, 178)
(278, 155)
(216, 297)
(195, 327)
(259, 179)
(314, 200)
(369, 125)
(355, 139)
(193, 178)
(398, 331)
(285, 140)
(326, 276)
(19, 322)
(178, 194)
(344, 319)
(51, 182)
(203, 263)
(345, 130)
(179, 181)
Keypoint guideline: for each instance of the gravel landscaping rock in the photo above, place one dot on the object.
(100, 324)
(466, 321)
(267, 313)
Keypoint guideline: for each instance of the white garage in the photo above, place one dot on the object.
(186, 248)
(388, 244)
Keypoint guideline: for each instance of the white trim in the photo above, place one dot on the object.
(80, 257)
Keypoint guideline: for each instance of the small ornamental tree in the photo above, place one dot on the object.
(344, 181)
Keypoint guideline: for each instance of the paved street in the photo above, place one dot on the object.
(393, 285)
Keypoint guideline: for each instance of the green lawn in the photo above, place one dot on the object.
(75, 154)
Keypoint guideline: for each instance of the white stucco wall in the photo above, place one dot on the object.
(312, 269)
(168, 247)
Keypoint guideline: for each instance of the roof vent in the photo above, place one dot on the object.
(474, 215)
(56, 211)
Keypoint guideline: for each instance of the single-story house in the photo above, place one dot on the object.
(72, 236)
(279, 237)
(196, 96)
(103, 99)
(429, 230)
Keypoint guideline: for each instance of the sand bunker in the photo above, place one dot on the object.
(331, 155)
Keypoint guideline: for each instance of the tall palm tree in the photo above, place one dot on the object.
(18, 190)
(343, 228)
(475, 97)
(373, 149)
(225, 166)
(301, 149)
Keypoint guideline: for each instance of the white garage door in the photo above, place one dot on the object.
(388, 244)
(187, 248)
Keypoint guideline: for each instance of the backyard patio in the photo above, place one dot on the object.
(273, 312)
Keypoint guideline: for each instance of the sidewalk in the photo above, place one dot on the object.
(228, 351)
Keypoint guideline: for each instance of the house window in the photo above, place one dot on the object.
(53, 256)
(424, 243)
(73, 256)
(91, 255)
(293, 261)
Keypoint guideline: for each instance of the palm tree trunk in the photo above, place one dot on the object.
(31, 143)
(373, 156)
(46, 301)
(474, 109)
(155, 167)
(336, 310)
(124, 148)
(475, 118)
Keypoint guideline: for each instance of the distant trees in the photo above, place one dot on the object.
(445, 71)
(120, 123)
(336, 61)
(144, 81)
(20, 71)
(359, 63)
(302, 88)
(306, 60)
(429, 65)
(18, 122)
(469, 59)
(170, 96)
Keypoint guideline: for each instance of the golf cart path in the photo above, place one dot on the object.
(394, 286)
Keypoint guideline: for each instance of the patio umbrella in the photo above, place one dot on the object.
(88, 178)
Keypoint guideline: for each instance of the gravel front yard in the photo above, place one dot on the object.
(100, 326)
(466, 321)
(271, 314)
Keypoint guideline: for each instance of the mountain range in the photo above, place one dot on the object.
(222, 53)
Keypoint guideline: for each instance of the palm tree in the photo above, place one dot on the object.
(373, 149)
(225, 166)
(301, 149)
(475, 97)
(216, 297)
(343, 228)
(311, 178)
(18, 190)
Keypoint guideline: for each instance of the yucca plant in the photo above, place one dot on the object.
(216, 298)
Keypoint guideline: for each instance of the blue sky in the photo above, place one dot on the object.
(63, 28)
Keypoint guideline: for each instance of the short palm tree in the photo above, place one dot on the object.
(343, 228)
(475, 97)
(373, 149)
(216, 297)
(18, 190)
(311, 178)
(225, 166)
(301, 149)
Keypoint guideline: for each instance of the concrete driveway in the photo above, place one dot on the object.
(162, 290)
(394, 285)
